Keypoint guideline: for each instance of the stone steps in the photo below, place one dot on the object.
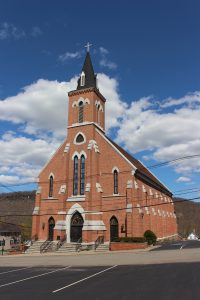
(66, 247)
(35, 247)
(102, 248)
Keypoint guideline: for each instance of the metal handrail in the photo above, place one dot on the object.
(78, 245)
(45, 246)
(60, 243)
(99, 240)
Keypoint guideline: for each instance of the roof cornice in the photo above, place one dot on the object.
(87, 90)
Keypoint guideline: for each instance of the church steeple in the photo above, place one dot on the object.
(87, 78)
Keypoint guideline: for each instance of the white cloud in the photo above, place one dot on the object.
(169, 135)
(69, 55)
(8, 30)
(36, 31)
(183, 179)
(40, 108)
(189, 99)
(40, 114)
(104, 62)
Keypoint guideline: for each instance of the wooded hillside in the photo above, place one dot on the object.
(22, 203)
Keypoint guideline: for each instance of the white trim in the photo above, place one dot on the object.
(51, 174)
(104, 137)
(85, 123)
(83, 153)
(90, 225)
(115, 168)
(84, 138)
(36, 210)
(61, 212)
(76, 198)
(60, 225)
(76, 153)
(81, 99)
(76, 207)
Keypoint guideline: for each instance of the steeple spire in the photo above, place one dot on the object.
(88, 77)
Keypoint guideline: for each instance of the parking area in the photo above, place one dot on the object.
(163, 281)
(178, 245)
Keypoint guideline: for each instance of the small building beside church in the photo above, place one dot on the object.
(92, 187)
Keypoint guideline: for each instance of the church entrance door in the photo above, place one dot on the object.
(51, 228)
(114, 230)
(76, 228)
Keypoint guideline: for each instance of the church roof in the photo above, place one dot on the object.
(90, 76)
(6, 227)
(142, 172)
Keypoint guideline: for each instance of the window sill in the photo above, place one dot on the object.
(76, 198)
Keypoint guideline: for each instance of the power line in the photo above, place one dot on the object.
(110, 173)
(102, 211)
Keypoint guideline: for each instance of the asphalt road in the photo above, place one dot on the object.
(161, 281)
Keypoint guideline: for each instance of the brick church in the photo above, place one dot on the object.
(91, 187)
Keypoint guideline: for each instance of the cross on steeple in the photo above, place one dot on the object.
(88, 45)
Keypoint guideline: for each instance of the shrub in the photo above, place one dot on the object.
(130, 239)
(150, 237)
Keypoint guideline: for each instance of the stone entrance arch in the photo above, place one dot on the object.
(76, 208)
(76, 227)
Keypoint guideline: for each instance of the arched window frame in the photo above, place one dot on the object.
(82, 175)
(51, 186)
(75, 138)
(115, 179)
(80, 111)
(82, 82)
(75, 176)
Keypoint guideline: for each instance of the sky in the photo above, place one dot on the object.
(146, 56)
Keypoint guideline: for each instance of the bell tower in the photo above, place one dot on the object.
(86, 103)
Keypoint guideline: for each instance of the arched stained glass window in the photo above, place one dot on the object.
(51, 186)
(79, 139)
(115, 175)
(82, 176)
(75, 177)
(80, 112)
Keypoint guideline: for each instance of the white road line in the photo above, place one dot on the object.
(32, 277)
(76, 282)
(15, 270)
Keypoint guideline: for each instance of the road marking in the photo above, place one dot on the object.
(83, 279)
(15, 270)
(32, 277)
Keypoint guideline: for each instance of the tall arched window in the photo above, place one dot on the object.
(98, 114)
(82, 83)
(80, 112)
(75, 177)
(82, 176)
(51, 186)
(115, 175)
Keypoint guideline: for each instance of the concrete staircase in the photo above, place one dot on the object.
(102, 248)
(67, 247)
(35, 247)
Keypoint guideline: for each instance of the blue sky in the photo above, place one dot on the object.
(147, 56)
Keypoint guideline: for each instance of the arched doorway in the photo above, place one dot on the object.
(114, 229)
(51, 228)
(76, 227)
